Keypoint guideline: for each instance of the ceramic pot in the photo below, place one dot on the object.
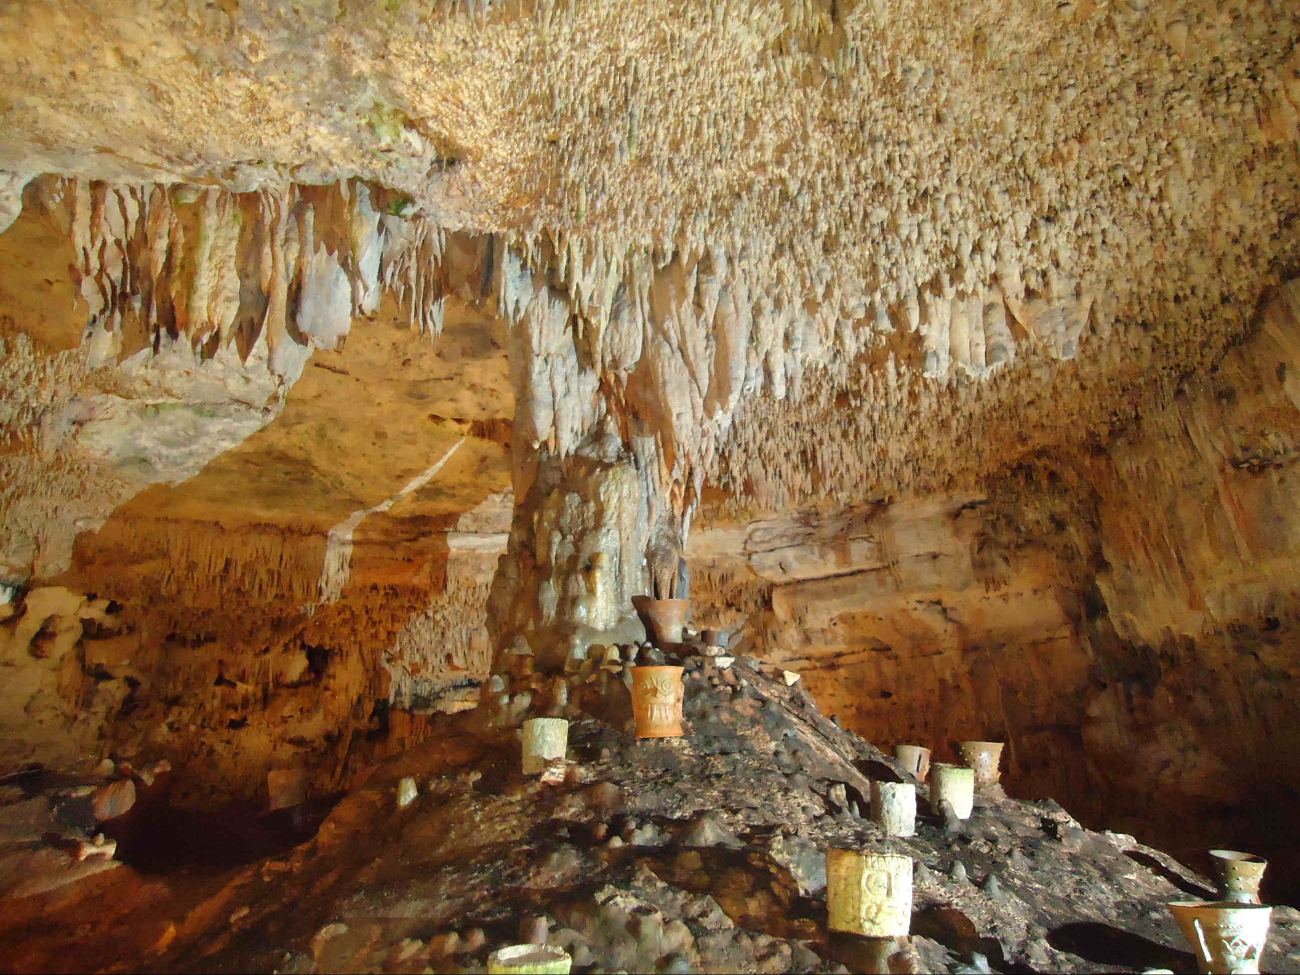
(869, 893)
(544, 739)
(529, 960)
(657, 694)
(954, 784)
(1228, 938)
(893, 807)
(665, 619)
(983, 757)
(914, 759)
(1239, 875)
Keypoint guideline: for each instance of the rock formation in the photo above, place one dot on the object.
(359, 364)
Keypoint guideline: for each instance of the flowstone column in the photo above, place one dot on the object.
(576, 558)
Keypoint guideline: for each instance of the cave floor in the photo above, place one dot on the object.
(703, 853)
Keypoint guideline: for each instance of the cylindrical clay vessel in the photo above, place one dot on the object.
(869, 893)
(544, 739)
(657, 694)
(983, 757)
(914, 759)
(1239, 875)
(893, 807)
(529, 960)
(1228, 938)
(954, 784)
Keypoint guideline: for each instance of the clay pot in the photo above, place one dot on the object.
(954, 784)
(1238, 874)
(869, 894)
(914, 759)
(529, 960)
(545, 739)
(657, 694)
(983, 757)
(1227, 937)
(665, 619)
(893, 807)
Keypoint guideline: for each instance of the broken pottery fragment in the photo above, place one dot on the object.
(529, 959)
(1239, 875)
(914, 759)
(1228, 938)
(665, 618)
(657, 694)
(983, 757)
(893, 807)
(954, 784)
(869, 893)
(544, 739)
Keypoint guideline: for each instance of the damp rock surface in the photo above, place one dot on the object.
(721, 874)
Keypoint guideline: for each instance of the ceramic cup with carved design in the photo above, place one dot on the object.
(1228, 938)
(544, 739)
(869, 894)
(657, 695)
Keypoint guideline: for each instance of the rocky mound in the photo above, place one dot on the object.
(704, 853)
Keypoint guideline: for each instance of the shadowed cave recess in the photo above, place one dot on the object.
(360, 365)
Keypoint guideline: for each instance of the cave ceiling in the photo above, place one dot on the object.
(820, 253)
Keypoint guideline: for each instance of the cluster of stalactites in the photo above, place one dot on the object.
(293, 265)
(673, 341)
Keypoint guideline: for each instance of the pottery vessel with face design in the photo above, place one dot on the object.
(657, 695)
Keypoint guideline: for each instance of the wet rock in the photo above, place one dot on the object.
(993, 888)
(676, 964)
(978, 965)
(708, 914)
(114, 800)
(805, 860)
(803, 960)
(708, 829)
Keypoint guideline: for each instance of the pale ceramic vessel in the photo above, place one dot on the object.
(657, 694)
(869, 894)
(1239, 875)
(529, 960)
(954, 784)
(545, 739)
(983, 757)
(893, 807)
(1228, 938)
(914, 759)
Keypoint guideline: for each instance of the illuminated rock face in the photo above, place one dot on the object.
(354, 353)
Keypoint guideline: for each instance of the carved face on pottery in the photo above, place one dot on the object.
(657, 694)
(661, 698)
